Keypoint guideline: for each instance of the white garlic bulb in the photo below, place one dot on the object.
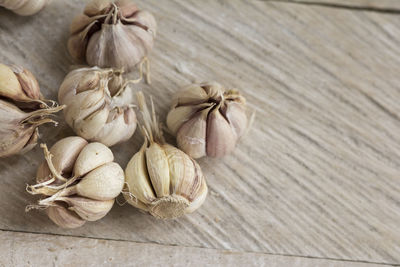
(112, 34)
(24, 7)
(207, 119)
(161, 179)
(98, 105)
(80, 182)
(22, 110)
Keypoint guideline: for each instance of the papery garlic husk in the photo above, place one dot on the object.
(98, 105)
(207, 119)
(18, 129)
(112, 34)
(79, 177)
(161, 179)
(24, 7)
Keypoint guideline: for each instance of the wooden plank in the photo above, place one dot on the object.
(24, 249)
(372, 5)
(317, 176)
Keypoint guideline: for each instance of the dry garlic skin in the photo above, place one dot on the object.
(79, 181)
(161, 179)
(98, 105)
(24, 7)
(207, 119)
(112, 34)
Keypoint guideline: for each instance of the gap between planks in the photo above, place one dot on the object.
(198, 247)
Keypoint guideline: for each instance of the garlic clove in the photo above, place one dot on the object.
(189, 187)
(31, 7)
(221, 139)
(77, 47)
(119, 127)
(103, 183)
(96, 7)
(137, 179)
(200, 198)
(179, 115)
(236, 115)
(191, 95)
(181, 169)
(214, 90)
(157, 166)
(18, 84)
(92, 156)
(191, 137)
(90, 126)
(64, 217)
(146, 21)
(90, 80)
(88, 209)
(65, 152)
(127, 7)
(80, 22)
(132, 200)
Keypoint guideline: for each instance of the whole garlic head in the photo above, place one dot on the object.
(98, 105)
(161, 179)
(24, 7)
(112, 34)
(207, 120)
(80, 181)
(21, 110)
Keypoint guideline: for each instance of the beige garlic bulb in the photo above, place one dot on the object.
(24, 7)
(161, 179)
(207, 119)
(98, 105)
(79, 180)
(22, 110)
(112, 34)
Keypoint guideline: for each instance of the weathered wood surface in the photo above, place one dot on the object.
(377, 5)
(318, 175)
(50, 250)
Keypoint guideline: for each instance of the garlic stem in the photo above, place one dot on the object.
(48, 156)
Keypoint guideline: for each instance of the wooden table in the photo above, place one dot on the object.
(316, 182)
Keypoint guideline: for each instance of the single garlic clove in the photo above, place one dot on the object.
(181, 170)
(200, 198)
(65, 152)
(157, 166)
(64, 217)
(90, 126)
(77, 46)
(80, 22)
(91, 157)
(24, 7)
(236, 115)
(137, 179)
(146, 21)
(90, 80)
(88, 209)
(119, 127)
(18, 84)
(103, 183)
(192, 94)
(221, 139)
(189, 187)
(214, 90)
(127, 8)
(191, 137)
(96, 7)
(179, 115)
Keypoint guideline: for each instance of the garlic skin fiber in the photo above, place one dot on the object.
(79, 180)
(112, 34)
(98, 105)
(207, 119)
(161, 179)
(24, 7)
(21, 110)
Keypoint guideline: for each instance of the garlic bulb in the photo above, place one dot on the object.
(24, 7)
(161, 179)
(98, 105)
(207, 120)
(21, 110)
(80, 181)
(112, 34)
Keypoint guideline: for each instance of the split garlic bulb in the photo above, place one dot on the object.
(79, 180)
(112, 34)
(21, 110)
(161, 179)
(207, 120)
(24, 7)
(98, 105)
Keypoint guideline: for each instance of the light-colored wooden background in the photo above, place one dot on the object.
(316, 182)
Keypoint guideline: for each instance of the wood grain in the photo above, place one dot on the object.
(371, 5)
(318, 174)
(50, 250)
